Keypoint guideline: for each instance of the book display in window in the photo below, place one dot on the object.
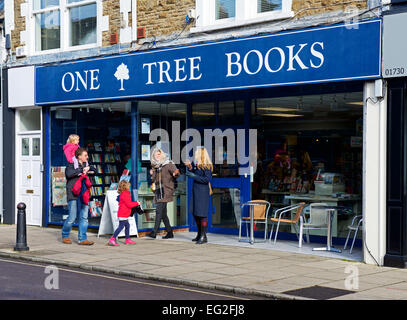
(96, 208)
(58, 186)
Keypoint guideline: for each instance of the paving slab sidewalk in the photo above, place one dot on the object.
(250, 271)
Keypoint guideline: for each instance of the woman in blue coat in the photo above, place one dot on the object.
(201, 173)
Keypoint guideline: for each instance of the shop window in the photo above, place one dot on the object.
(167, 117)
(30, 120)
(203, 114)
(105, 131)
(231, 112)
(64, 24)
(310, 148)
(226, 206)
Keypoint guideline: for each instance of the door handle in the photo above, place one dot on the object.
(29, 177)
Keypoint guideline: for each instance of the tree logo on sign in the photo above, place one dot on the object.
(122, 73)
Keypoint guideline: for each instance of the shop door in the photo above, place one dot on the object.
(230, 187)
(230, 190)
(29, 178)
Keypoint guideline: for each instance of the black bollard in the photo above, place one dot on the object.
(21, 244)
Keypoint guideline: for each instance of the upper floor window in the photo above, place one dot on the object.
(82, 23)
(62, 24)
(225, 9)
(217, 14)
(268, 5)
(47, 24)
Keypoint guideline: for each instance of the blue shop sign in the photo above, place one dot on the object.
(323, 54)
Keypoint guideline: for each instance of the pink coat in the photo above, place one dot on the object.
(125, 204)
(69, 150)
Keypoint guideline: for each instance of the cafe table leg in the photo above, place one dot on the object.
(329, 235)
(251, 225)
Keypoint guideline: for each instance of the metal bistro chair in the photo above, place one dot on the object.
(280, 212)
(260, 215)
(354, 226)
(318, 220)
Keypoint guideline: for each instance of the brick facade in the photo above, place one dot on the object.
(304, 8)
(111, 8)
(161, 17)
(164, 17)
(19, 25)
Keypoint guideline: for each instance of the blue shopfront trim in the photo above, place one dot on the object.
(316, 55)
(47, 165)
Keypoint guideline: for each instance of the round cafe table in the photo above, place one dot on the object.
(330, 210)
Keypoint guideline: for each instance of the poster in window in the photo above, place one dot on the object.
(145, 152)
(145, 125)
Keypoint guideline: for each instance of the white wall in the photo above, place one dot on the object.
(374, 177)
(21, 87)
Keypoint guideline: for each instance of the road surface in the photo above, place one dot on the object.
(28, 280)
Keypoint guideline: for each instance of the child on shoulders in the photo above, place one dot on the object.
(72, 144)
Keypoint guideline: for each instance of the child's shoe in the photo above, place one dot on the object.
(129, 241)
(112, 242)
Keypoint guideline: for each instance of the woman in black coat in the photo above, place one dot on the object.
(201, 173)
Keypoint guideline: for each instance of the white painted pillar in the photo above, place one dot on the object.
(374, 175)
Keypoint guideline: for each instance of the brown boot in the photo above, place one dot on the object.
(86, 243)
(66, 240)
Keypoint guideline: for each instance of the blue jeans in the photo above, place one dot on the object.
(75, 207)
(123, 224)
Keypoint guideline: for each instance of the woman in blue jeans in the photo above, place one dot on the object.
(76, 206)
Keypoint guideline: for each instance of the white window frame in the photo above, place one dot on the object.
(246, 13)
(63, 8)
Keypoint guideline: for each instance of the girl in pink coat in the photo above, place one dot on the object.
(69, 149)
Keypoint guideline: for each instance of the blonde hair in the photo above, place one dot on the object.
(123, 186)
(202, 159)
(72, 138)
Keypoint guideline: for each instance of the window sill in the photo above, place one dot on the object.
(69, 49)
(239, 23)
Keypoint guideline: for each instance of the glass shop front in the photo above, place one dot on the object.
(309, 149)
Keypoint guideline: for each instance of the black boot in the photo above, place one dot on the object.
(202, 238)
(152, 234)
(169, 235)
(198, 235)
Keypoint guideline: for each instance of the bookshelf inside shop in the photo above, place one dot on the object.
(106, 161)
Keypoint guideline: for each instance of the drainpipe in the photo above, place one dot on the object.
(133, 21)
